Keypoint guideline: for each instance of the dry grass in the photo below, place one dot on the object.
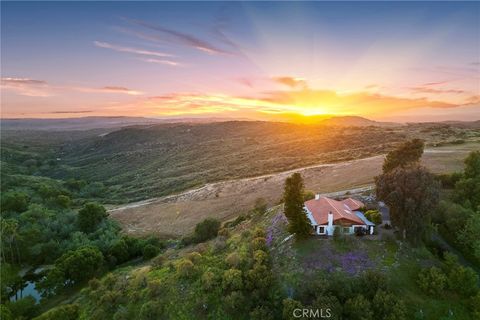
(177, 215)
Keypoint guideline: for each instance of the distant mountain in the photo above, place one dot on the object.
(356, 121)
(88, 123)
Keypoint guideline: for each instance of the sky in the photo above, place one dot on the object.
(392, 61)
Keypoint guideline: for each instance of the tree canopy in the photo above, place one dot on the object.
(90, 216)
(407, 153)
(412, 194)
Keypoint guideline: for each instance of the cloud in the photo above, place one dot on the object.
(291, 82)
(301, 102)
(41, 88)
(107, 45)
(181, 38)
(71, 112)
(162, 61)
(27, 87)
(436, 91)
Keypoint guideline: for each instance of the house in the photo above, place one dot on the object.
(326, 214)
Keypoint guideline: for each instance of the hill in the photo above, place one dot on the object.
(356, 121)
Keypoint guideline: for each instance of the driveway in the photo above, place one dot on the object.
(385, 211)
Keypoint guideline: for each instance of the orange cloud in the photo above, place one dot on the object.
(304, 102)
(291, 82)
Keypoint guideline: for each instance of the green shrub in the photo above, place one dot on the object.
(233, 260)
(194, 256)
(64, 312)
(14, 201)
(232, 280)
(260, 206)
(432, 281)
(209, 280)
(151, 310)
(289, 306)
(260, 257)
(150, 251)
(90, 216)
(206, 230)
(185, 268)
(358, 308)
(259, 243)
(463, 280)
(374, 216)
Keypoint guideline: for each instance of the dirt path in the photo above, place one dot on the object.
(176, 215)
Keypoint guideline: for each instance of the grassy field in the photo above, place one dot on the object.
(176, 215)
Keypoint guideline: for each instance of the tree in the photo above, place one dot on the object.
(406, 154)
(90, 216)
(387, 306)
(14, 201)
(467, 189)
(432, 281)
(412, 193)
(81, 264)
(358, 308)
(298, 222)
(149, 251)
(207, 229)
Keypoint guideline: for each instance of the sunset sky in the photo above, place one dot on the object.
(410, 61)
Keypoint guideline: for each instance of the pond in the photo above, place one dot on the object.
(29, 290)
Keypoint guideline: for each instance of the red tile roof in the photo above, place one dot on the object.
(353, 204)
(342, 213)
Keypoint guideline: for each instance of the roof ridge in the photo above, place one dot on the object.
(336, 209)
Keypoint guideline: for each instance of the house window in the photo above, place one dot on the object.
(346, 230)
(321, 230)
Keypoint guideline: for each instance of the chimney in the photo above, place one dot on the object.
(330, 219)
(317, 197)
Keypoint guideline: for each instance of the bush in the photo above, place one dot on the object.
(158, 261)
(289, 305)
(14, 201)
(233, 260)
(209, 280)
(206, 230)
(90, 216)
(259, 244)
(260, 257)
(232, 280)
(259, 232)
(463, 280)
(151, 310)
(80, 264)
(194, 256)
(149, 251)
(24, 308)
(185, 268)
(432, 281)
(260, 206)
(374, 216)
(358, 308)
(64, 312)
(387, 306)
(308, 195)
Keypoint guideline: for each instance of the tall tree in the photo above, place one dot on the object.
(412, 193)
(298, 222)
(467, 189)
(406, 154)
(90, 216)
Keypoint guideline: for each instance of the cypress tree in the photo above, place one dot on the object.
(298, 222)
